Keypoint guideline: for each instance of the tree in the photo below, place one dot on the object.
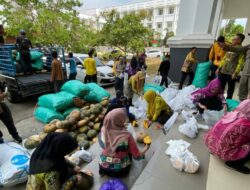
(230, 29)
(51, 22)
(168, 35)
(127, 33)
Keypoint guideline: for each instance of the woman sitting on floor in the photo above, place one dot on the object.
(229, 139)
(49, 169)
(115, 160)
(158, 110)
(210, 97)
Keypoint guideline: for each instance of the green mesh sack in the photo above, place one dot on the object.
(232, 104)
(35, 55)
(57, 102)
(201, 74)
(154, 87)
(46, 115)
(96, 93)
(76, 87)
(38, 64)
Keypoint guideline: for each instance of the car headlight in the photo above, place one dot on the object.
(100, 74)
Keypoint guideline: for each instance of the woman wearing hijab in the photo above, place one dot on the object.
(229, 139)
(49, 169)
(135, 85)
(158, 110)
(210, 97)
(115, 160)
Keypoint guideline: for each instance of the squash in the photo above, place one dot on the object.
(64, 124)
(73, 134)
(84, 144)
(91, 124)
(147, 140)
(96, 120)
(54, 121)
(140, 135)
(81, 137)
(101, 117)
(104, 103)
(97, 127)
(83, 129)
(32, 142)
(61, 131)
(134, 124)
(92, 117)
(76, 114)
(78, 102)
(85, 113)
(92, 133)
(72, 120)
(85, 108)
(42, 135)
(82, 123)
(49, 128)
(145, 124)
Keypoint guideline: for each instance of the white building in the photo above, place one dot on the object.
(164, 14)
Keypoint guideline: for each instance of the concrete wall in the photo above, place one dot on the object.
(178, 56)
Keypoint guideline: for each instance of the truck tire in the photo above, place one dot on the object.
(13, 97)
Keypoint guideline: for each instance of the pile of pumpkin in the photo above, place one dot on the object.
(83, 125)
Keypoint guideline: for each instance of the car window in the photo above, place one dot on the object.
(153, 51)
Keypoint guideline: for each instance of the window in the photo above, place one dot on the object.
(171, 10)
(169, 25)
(150, 12)
(159, 25)
(160, 11)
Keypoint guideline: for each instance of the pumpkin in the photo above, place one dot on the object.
(54, 121)
(94, 140)
(140, 135)
(76, 114)
(61, 130)
(85, 108)
(91, 124)
(73, 134)
(147, 140)
(104, 103)
(49, 128)
(84, 144)
(85, 113)
(97, 127)
(64, 124)
(82, 123)
(78, 102)
(92, 133)
(97, 120)
(101, 117)
(134, 124)
(92, 117)
(86, 181)
(32, 142)
(72, 120)
(83, 129)
(81, 137)
(42, 135)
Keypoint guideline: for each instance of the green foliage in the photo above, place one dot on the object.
(167, 36)
(51, 22)
(127, 33)
(231, 29)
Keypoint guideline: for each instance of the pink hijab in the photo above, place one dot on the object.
(114, 129)
(242, 111)
(207, 91)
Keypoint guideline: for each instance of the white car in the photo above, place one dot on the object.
(154, 53)
(105, 75)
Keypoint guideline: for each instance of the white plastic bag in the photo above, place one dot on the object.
(192, 164)
(157, 79)
(138, 112)
(14, 164)
(176, 147)
(167, 126)
(169, 93)
(80, 156)
(140, 103)
(211, 117)
(189, 128)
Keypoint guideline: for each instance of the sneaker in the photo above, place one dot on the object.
(18, 139)
(239, 168)
(1, 140)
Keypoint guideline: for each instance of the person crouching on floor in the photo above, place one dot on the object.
(119, 145)
(210, 97)
(157, 110)
(229, 138)
(49, 169)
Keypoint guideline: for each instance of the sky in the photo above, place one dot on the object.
(241, 21)
(89, 4)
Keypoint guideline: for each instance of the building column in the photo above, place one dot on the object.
(198, 23)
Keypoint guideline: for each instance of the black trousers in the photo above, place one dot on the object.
(164, 79)
(119, 84)
(184, 76)
(72, 76)
(90, 78)
(163, 118)
(212, 103)
(240, 162)
(213, 69)
(6, 118)
(227, 79)
(25, 59)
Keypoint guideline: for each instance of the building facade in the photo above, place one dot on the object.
(163, 14)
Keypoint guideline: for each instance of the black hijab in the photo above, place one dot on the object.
(49, 156)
